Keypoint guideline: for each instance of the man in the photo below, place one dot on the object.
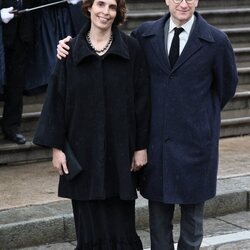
(193, 75)
(17, 40)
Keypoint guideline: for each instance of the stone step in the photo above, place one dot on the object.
(244, 75)
(53, 222)
(227, 17)
(34, 103)
(12, 153)
(239, 36)
(204, 4)
(235, 127)
(29, 121)
(241, 101)
(242, 55)
(222, 18)
(234, 123)
(235, 117)
(215, 4)
(229, 113)
(143, 5)
(30, 103)
(221, 239)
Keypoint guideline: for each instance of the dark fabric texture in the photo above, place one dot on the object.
(77, 17)
(161, 226)
(101, 104)
(22, 26)
(191, 233)
(2, 63)
(17, 40)
(52, 24)
(186, 104)
(106, 225)
(16, 64)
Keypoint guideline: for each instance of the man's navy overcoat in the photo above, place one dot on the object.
(186, 105)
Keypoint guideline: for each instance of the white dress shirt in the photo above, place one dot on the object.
(184, 34)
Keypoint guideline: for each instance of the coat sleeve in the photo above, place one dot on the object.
(50, 130)
(225, 71)
(142, 101)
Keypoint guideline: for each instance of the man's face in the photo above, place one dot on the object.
(181, 12)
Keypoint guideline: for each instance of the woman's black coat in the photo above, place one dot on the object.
(101, 104)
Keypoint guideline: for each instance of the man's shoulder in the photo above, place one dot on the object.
(205, 27)
(150, 26)
(131, 42)
(147, 25)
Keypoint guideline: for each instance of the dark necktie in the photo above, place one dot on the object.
(175, 47)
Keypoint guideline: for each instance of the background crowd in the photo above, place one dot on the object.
(27, 52)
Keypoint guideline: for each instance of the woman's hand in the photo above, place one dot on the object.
(139, 160)
(63, 48)
(59, 161)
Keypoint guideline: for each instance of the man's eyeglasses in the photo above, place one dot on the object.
(179, 1)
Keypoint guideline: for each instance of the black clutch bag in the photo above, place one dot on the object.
(73, 165)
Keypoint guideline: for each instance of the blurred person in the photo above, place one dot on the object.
(98, 103)
(2, 63)
(52, 23)
(17, 40)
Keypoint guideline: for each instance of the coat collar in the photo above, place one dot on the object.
(81, 50)
(155, 32)
(201, 26)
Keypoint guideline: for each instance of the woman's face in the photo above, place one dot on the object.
(103, 13)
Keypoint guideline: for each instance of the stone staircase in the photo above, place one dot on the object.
(232, 17)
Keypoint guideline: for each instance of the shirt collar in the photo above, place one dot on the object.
(187, 26)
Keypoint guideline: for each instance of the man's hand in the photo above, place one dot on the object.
(63, 48)
(139, 160)
(6, 16)
(73, 1)
(59, 161)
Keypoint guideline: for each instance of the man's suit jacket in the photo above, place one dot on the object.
(22, 26)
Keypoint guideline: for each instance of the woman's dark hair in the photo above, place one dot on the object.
(121, 10)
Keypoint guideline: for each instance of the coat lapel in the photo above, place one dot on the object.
(156, 38)
(199, 34)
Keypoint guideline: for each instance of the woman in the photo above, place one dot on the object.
(98, 101)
